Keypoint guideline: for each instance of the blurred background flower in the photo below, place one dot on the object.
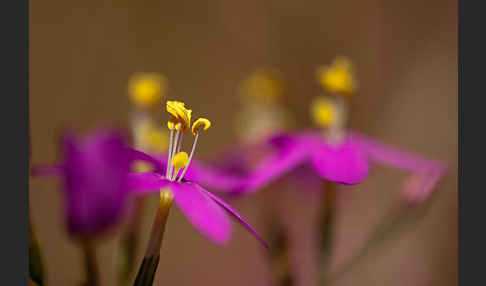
(83, 55)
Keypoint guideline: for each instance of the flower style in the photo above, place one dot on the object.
(205, 211)
(95, 175)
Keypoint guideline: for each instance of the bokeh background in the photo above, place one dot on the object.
(82, 54)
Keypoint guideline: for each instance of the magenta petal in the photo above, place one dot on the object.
(212, 177)
(203, 212)
(236, 215)
(343, 163)
(391, 156)
(141, 156)
(208, 176)
(146, 182)
(276, 165)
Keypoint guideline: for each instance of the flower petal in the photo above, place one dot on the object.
(344, 163)
(95, 175)
(204, 214)
(236, 215)
(275, 166)
(391, 156)
(146, 182)
(426, 173)
(212, 177)
(141, 156)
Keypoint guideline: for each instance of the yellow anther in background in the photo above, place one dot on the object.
(147, 89)
(339, 77)
(140, 166)
(153, 138)
(323, 111)
(263, 84)
(180, 114)
(179, 161)
(200, 122)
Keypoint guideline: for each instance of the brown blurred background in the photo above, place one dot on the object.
(83, 53)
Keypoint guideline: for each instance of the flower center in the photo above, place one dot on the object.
(146, 90)
(330, 115)
(181, 119)
(339, 77)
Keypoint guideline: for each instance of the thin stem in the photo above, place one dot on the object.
(327, 224)
(129, 243)
(279, 254)
(36, 268)
(394, 222)
(190, 157)
(169, 158)
(173, 153)
(179, 145)
(90, 264)
(146, 273)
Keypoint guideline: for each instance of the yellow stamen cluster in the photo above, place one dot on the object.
(323, 111)
(200, 122)
(264, 85)
(180, 114)
(339, 77)
(147, 89)
(181, 120)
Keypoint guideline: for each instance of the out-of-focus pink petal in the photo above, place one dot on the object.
(158, 165)
(212, 177)
(236, 215)
(276, 165)
(427, 173)
(394, 157)
(202, 211)
(419, 186)
(343, 163)
(208, 176)
(142, 183)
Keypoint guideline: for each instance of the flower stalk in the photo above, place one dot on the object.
(129, 243)
(90, 264)
(150, 261)
(279, 256)
(36, 268)
(327, 224)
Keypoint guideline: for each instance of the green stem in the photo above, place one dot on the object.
(146, 273)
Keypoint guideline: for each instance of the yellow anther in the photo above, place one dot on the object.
(180, 160)
(323, 111)
(200, 122)
(147, 90)
(180, 114)
(339, 77)
(264, 85)
(170, 125)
